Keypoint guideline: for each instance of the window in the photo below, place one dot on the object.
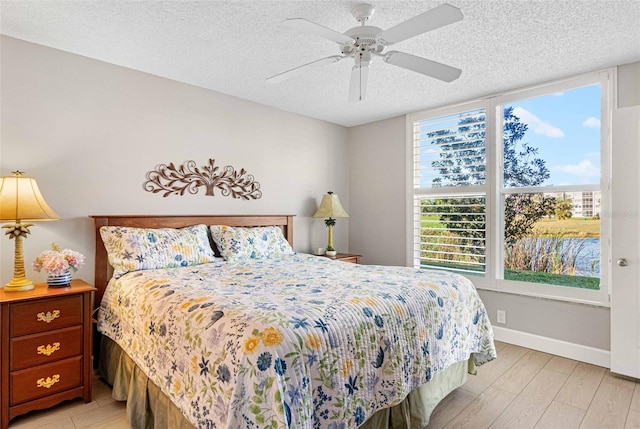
(509, 190)
(450, 185)
(452, 233)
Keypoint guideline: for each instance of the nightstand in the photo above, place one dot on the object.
(347, 257)
(45, 347)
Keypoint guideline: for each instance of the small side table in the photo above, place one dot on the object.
(347, 257)
(45, 347)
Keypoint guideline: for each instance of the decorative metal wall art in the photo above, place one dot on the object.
(188, 178)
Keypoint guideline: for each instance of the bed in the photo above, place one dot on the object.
(267, 337)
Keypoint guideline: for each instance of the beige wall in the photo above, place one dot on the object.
(89, 132)
(377, 189)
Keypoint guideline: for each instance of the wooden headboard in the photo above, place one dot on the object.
(103, 269)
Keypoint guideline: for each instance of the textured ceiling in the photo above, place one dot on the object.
(232, 46)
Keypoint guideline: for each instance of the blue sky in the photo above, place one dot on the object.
(565, 127)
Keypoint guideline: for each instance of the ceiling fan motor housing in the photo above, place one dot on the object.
(364, 34)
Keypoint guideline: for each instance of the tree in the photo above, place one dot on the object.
(521, 213)
(563, 209)
(461, 163)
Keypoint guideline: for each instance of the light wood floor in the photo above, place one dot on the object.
(521, 389)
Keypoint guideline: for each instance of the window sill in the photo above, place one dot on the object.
(555, 293)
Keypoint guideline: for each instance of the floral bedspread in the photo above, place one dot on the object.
(301, 341)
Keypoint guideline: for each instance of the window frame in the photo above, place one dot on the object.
(494, 189)
(456, 191)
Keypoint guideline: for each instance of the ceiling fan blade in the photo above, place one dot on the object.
(358, 85)
(423, 66)
(309, 27)
(437, 17)
(303, 68)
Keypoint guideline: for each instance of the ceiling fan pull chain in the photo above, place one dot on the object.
(360, 98)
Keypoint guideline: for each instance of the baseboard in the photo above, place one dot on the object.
(557, 347)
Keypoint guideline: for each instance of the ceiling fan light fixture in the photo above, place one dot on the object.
(363, 59)
(361, 42)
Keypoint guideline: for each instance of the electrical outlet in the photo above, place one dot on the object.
(502, 317)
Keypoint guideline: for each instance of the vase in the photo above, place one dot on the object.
(63, 280)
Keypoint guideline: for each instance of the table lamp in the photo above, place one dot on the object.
(330, 208)
(20, 201)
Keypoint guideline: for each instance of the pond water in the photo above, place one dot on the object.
(588, 258)
(588, 261)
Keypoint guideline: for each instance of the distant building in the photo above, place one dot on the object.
(584, 203)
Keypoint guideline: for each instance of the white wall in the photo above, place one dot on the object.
(89, 132)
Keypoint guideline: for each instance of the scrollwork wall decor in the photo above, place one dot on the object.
(188, 178)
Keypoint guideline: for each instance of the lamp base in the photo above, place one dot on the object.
(18, 285)
(19, 282)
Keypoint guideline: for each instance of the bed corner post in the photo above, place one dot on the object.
(101, 261)
(290, 230)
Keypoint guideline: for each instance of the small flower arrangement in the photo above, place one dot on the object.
(56, 262)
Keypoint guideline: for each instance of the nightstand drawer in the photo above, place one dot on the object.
(45, 315)
(45, 380)
(51, 346)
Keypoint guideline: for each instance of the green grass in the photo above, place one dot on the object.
(432, 221)
(574, 227)
(553, 279)
(532, 276)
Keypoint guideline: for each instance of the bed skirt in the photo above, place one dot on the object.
(148, 407)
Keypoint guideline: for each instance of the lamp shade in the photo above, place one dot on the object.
(330, 207)
(20, 199)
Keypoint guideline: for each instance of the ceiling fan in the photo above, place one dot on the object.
(365, 41)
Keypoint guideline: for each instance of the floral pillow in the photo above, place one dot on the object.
(134, 249)
(250, 243)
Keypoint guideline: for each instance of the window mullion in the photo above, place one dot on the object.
(551, 189)
(494, 216)
(456, 190)
(605, 185)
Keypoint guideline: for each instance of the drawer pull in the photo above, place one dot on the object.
(50, 381)
(49, 316)
(48, 349)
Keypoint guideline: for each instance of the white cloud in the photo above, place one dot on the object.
(595, 156)
(591, 122)
(537, 125)
(582, 169)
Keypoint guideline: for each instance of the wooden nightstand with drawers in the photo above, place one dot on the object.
(347, 257)
(45, 348)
